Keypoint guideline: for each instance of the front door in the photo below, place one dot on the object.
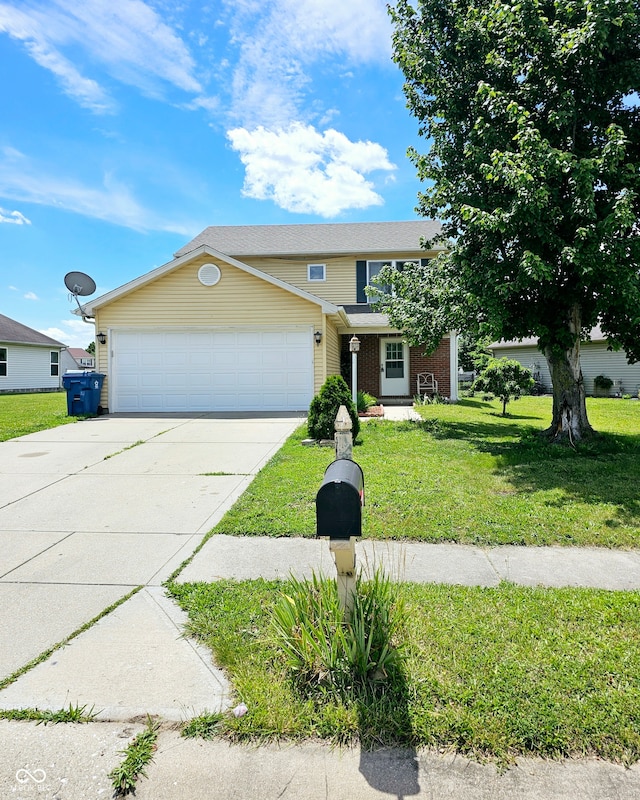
(394, 368)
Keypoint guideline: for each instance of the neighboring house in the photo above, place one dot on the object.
(82, 359)
(257, 317)
(595, 359)
(29, 360)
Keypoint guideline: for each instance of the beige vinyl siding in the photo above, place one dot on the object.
(340, 284)
(332, 351)
(179, 299)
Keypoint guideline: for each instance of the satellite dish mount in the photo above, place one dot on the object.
(80, 284)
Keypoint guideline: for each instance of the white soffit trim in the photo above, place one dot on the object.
(89, 308)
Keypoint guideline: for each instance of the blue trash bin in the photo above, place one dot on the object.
(83, 393)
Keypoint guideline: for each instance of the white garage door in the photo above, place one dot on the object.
(212, 370)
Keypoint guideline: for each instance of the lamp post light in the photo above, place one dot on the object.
(354, 346)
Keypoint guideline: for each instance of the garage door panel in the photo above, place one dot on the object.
(148, 358)
(200, 359)
(212, 370)
(249, 359)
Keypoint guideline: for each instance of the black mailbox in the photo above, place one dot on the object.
(339, 500)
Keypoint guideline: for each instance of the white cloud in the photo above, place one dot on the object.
(24, 180)
(281, 40)
(127, 38)
(308, 172)
(13, 217)
(73, 333)
(31, 296)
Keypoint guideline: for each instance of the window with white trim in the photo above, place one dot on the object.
(374, 267)
(3, 362)
(55, 363)
(316, 272)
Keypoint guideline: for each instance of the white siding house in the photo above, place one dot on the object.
(29, 360)
(595, 360)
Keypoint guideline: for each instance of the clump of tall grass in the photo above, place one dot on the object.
(327, 654)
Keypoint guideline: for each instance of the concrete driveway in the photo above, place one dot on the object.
(88, 512)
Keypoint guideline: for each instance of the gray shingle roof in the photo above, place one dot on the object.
(13, 332)
(321, 238)
(365, 316)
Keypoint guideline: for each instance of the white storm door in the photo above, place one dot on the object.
(394, 368)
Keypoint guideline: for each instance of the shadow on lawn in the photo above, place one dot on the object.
(605, 470)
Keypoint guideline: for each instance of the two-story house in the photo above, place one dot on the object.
(256, 317)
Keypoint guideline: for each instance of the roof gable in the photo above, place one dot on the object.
(90, 307)
(13, 332)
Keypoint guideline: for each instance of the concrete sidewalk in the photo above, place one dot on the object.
(91, 511)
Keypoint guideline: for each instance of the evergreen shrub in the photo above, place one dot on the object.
(324, 407)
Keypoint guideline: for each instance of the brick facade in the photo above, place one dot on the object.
(369, 366)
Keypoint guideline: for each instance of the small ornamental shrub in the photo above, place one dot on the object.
(602, 382)
(506, 379)
(365, 401)
(324, 407)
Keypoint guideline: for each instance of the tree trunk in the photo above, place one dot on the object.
(570, 423)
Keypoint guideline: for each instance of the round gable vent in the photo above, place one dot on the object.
(209, 274)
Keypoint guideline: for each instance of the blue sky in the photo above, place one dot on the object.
(127, 127)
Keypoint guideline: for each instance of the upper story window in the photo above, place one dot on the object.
(374, 267)
(316, 272)
(3, 362)
(55, 363)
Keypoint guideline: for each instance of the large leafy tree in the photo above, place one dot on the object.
(532, 113)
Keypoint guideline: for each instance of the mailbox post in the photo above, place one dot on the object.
(339, 504)
(343, 436)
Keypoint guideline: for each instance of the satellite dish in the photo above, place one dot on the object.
(79, 284)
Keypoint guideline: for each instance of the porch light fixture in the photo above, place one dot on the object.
(354, 347)
(102, 338)
(318, 336)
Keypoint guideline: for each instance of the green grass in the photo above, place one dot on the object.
(27, 413)
(73, 713)
(466, 474)
(136, 758)
(493, 673)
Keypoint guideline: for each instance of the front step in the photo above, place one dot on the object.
(396, 401)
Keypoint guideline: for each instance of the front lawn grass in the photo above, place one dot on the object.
(30, 412)
(466, 474)
(490, 672)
